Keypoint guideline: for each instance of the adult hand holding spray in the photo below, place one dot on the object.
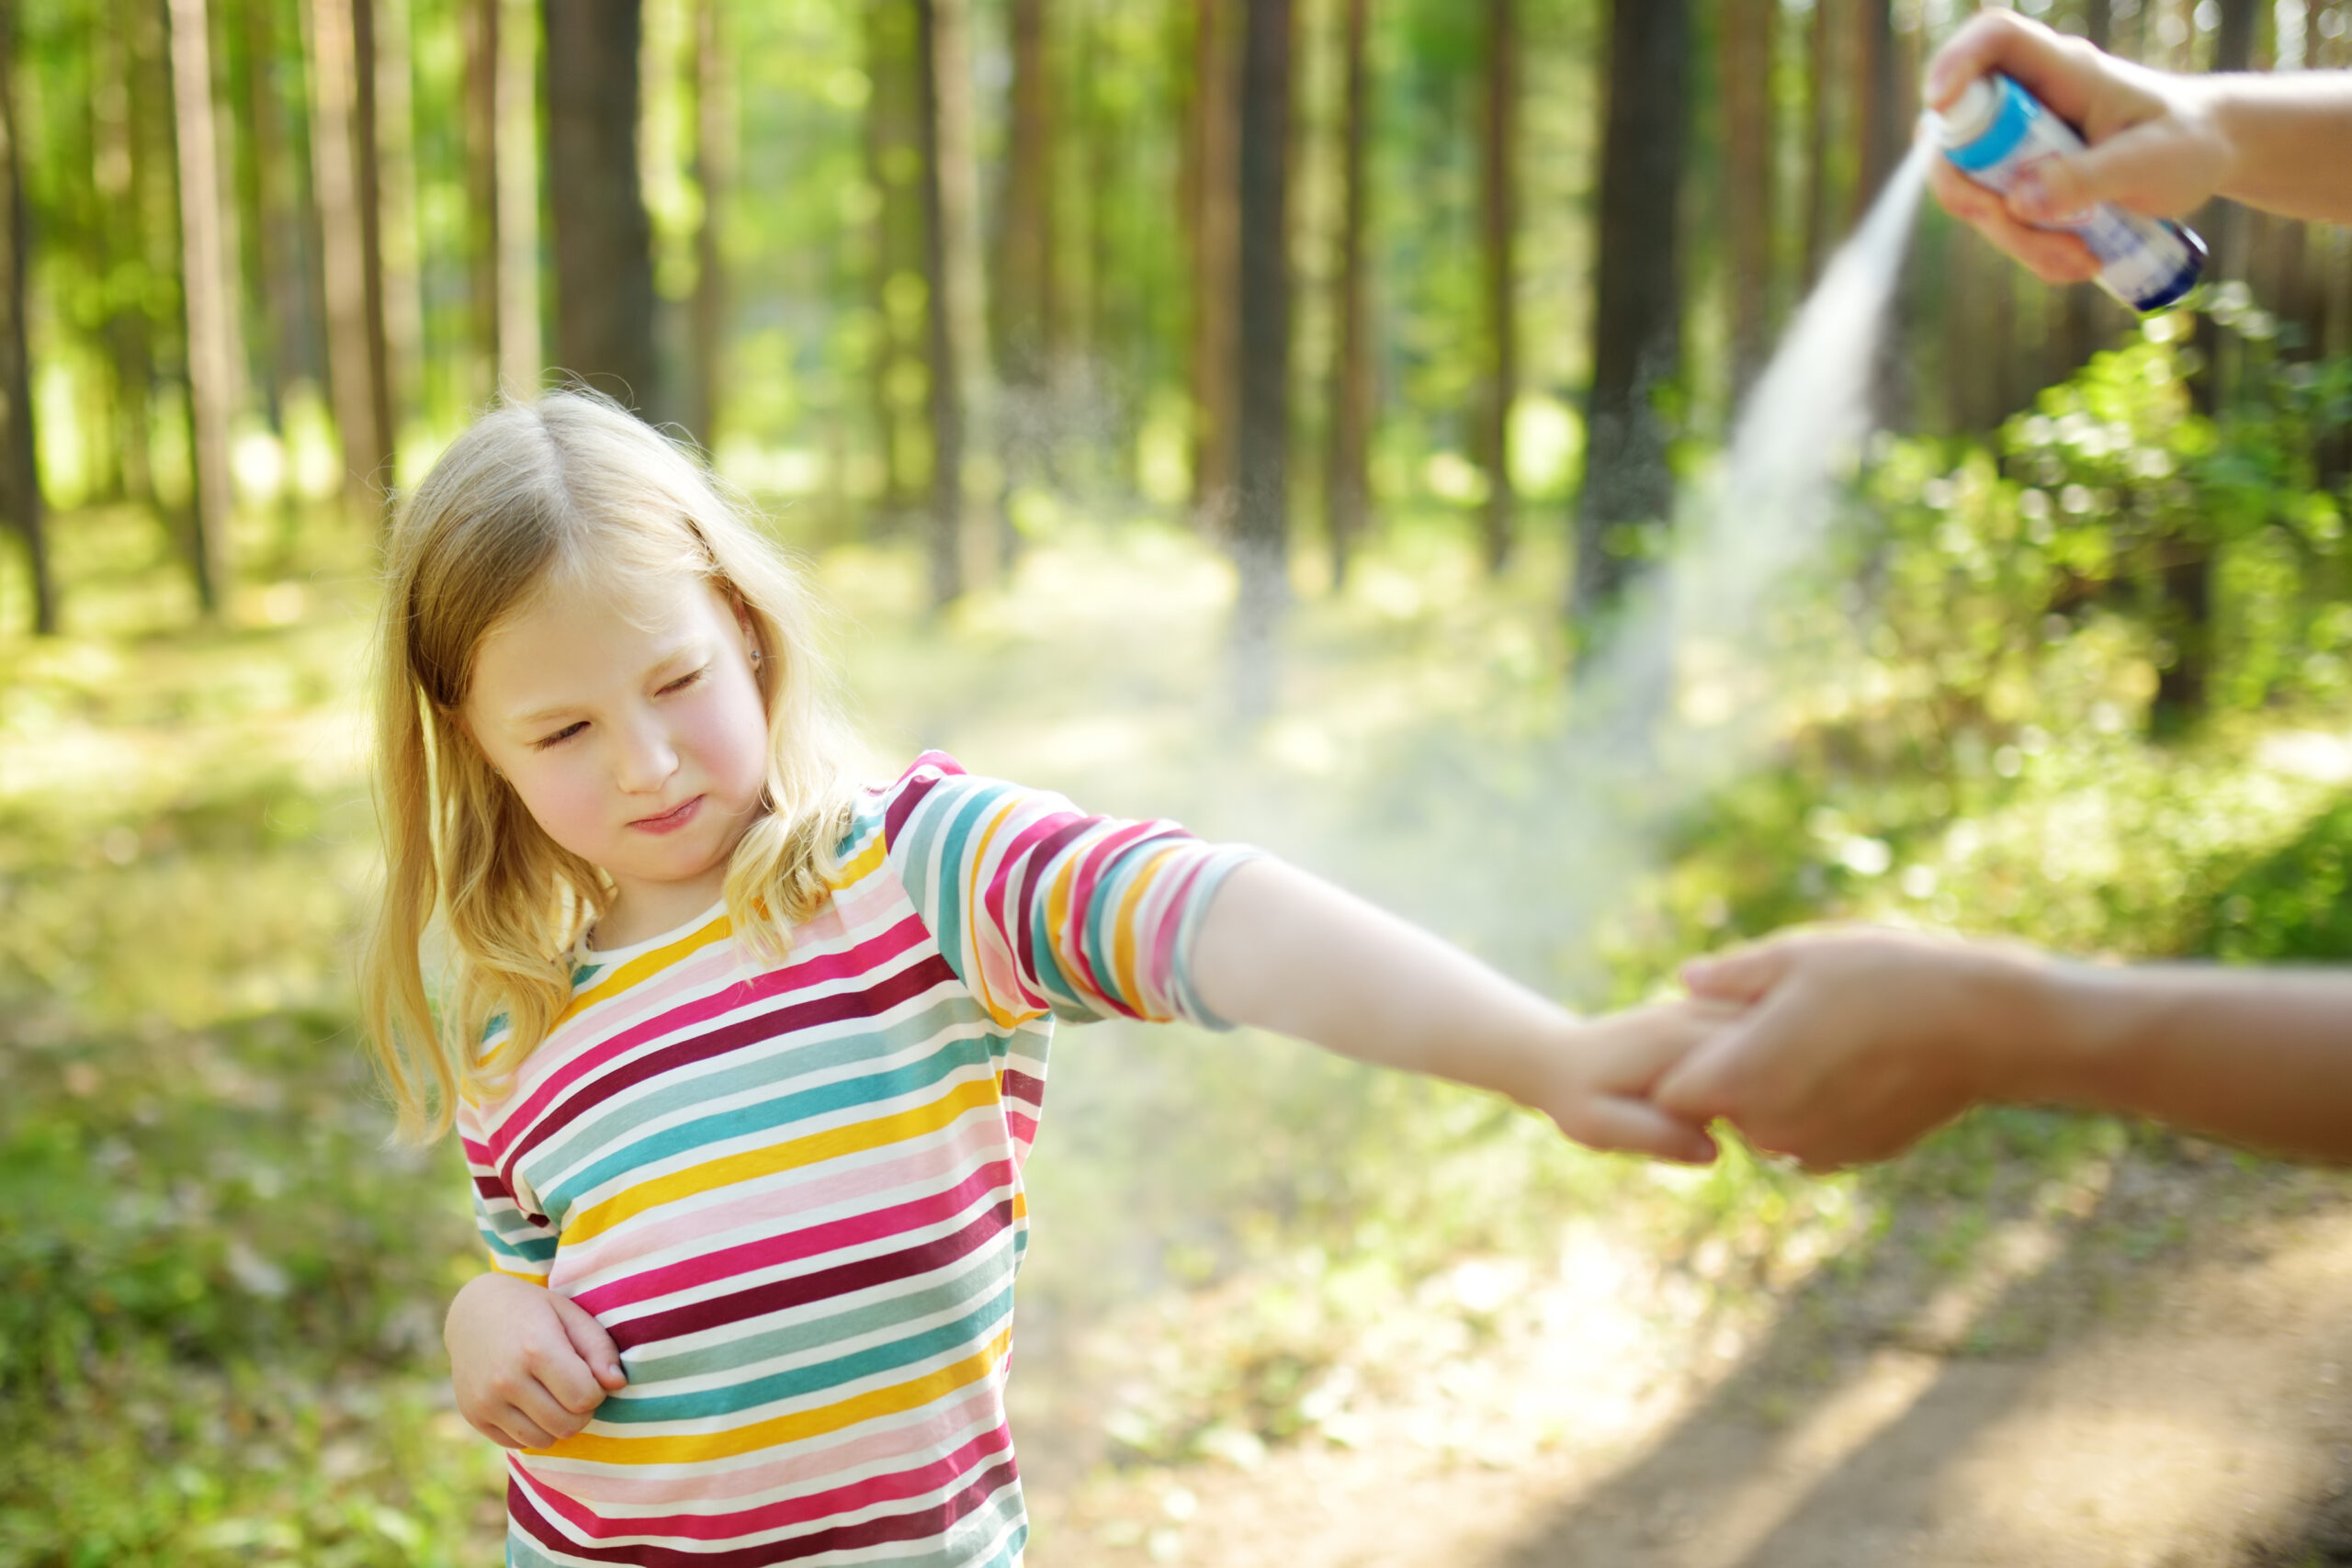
(1996, 131)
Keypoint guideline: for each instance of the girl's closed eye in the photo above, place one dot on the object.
(566, 733)
(683, 681)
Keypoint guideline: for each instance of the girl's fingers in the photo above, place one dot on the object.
(595, 1346)
(545, 1414)
(515, 1431)
(1609, 1121)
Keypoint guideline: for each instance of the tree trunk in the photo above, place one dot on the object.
(1637, 301)
(1025, 259)
(204, 287)
(20, 498)
(2185, 579)
(394, 114)
(946, 400)
(355, 324)
(1214, 230)
(286, 321)
(1498, 212)
(2093, 319)
(1750, 136)
(366, 123)
(1880, 123)
(897, 237)
(478, 20)
(1346, 488)
(1261, 403)
(604, 240)
(522, 357)
(713, 173)
(1819, 186)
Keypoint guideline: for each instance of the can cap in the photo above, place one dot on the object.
(1970, 114)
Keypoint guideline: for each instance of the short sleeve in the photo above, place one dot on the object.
(521, 1241)
(1040, 908)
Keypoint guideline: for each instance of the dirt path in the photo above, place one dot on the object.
(2151, 1368)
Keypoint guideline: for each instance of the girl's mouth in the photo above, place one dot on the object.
(670, 821)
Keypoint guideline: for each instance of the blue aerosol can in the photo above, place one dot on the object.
(1996, 131)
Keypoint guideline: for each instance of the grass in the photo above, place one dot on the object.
(220, 1290)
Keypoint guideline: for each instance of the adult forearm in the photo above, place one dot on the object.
(2290, 136)
(1282, 950)
(2260, 1058)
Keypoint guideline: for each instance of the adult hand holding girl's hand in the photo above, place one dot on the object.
(530, 1366)
(1856, 1044)
(1597, 1083)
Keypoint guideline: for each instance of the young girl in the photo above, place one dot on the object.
(746, 1063)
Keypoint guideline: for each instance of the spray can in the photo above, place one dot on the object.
(1997, 130)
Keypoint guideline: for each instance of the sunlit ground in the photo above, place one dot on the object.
(1265, 1282)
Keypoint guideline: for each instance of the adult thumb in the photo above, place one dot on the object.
(1740, 975)
(588, 1337)
(2141, 169)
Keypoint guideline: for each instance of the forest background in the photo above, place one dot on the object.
(1249, 411)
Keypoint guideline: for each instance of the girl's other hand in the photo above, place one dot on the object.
(529, 1365)
(1599, 1089)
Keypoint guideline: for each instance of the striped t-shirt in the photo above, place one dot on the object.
(793, 1194)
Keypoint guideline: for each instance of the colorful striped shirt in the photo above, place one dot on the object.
(793, 1193)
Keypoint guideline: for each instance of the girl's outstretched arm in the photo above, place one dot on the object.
(1281, 950)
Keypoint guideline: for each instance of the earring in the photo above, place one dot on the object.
(755, 659)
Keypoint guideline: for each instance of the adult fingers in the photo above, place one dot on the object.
(588, 1336)
(2063, 73)
(2159, 168)
(2054, 256)
(1635, 1126)
(1742, 974)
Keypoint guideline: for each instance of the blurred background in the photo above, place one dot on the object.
(1184, 403)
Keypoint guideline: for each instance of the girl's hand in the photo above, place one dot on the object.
(1597, 1085)
(528, 1364)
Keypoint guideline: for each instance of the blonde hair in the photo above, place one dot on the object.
(533, 494)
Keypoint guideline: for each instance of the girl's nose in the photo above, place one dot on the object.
(646, 759)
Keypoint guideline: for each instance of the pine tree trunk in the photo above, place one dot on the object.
(120, 176)
(366, 121)
(1213, 232)
(399, 268)
(1498, 212)
(1261, 403)
(204, 286)
(1348, 484)
(1820, 46)
(2185, 572)
(604, 239)
(479, 21)
(284, 321)
(1750, 176)
(522, 357)
(713, 173)
(1637, 302)
(896, 236)
(354, 330)
(946, 401)
(2093, 318)
(1880, 118)
(21, 506)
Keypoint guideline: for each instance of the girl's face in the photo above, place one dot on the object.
(627, 720)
